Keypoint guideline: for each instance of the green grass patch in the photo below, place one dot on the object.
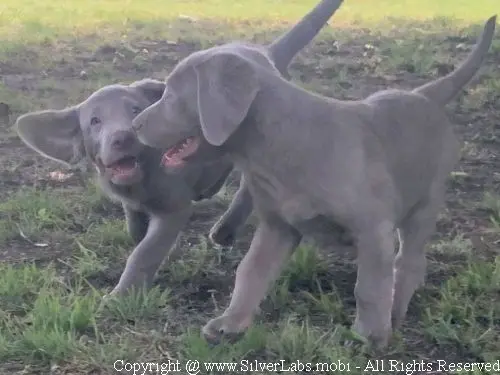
(467, 312)
(41, 21)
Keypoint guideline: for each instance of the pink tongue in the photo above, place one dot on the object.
(123, 170)
(171, 161)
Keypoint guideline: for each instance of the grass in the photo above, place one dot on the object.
(41, 21)
(63, 245)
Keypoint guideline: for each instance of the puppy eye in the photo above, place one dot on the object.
(94, 121)
(136, 110)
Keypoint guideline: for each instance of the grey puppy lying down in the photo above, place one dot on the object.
(373, 166)
(157, 205)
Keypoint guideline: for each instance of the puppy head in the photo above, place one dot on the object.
(207, 97)
(99, 128)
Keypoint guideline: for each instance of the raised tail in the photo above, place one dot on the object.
(283, 50)
(444, 89)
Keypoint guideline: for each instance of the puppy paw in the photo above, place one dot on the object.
(222, 235)
(225, 328)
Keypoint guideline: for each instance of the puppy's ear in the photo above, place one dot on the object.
(227, 86)
(152, 89)
(54, 134)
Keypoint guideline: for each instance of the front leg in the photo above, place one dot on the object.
(149, 254)
(137, 223)
(271, 245)
(224, 231)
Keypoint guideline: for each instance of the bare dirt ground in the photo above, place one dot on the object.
(345, 68)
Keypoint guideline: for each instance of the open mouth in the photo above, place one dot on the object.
(124, 168)
(175, 155)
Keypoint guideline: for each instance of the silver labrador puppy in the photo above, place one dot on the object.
(157, 205)
(373, 166)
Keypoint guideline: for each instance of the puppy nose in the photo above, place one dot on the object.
(122, 139)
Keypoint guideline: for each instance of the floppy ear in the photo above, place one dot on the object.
(227, 86)
(151, 88)
(54, 134)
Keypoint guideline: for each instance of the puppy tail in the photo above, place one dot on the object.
(284, 49)
(444, 89)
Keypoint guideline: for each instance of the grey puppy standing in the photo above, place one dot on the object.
(157, 205)
(372, 166)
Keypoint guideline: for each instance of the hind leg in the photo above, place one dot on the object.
(417, 228)
(224, 232)
(137, 223)
(410, 263)
(375, 282)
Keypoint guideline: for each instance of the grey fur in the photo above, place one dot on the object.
(372, 166)
(157, 205)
